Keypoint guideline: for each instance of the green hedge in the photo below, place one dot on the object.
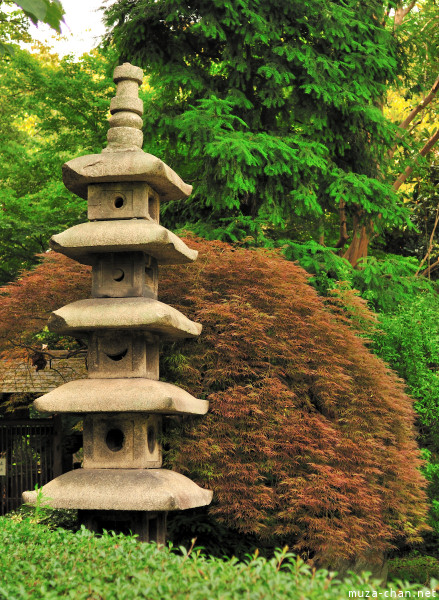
(417, 569)
(38, 563)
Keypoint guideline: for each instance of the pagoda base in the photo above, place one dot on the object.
(148, 526)
(149, 490)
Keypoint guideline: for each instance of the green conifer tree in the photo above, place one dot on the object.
(271, 109)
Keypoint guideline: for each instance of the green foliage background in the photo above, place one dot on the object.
(52, 110)
(270, 109)
(37, 563)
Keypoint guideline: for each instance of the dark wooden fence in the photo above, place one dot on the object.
(29, 456)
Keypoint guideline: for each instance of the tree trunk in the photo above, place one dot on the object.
(360, 243)
(401, 12)
(362, 234)
(343, 235)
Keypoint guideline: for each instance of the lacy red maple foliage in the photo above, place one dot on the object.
(309, 436)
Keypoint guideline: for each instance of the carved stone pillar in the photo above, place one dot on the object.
(122, 484)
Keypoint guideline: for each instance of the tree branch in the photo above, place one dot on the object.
(425, 102)
(430, 268)
(430, 244)
(401, 12)
(415, 125)
(408, 171)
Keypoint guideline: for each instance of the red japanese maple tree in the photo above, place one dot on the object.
(309, 436)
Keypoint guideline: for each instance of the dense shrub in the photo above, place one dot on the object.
(309, 439)
(409, 341)
(386, 282)
(416, 569)
(37, 563)
(309, 436)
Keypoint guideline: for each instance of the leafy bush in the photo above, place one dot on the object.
(212, 535)
(389, 282)
(416, 569)
(37, 563)
(386, 282)
(50, 517)
(431, 472)
(309, 437)
(409, 343)
(408, 340)
(306, 426)
(325, 266)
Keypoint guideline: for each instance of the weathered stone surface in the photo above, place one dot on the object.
(126, 103)
(118, 395)
(124, 274)
(82, 241)
(141, 314)
(122, 354)
(125, 132)
(122, 401)
(122, 441)
(124, 166)
(122, 489)
(128, 71)
(121, 200)
(121, 138)
(126, 119)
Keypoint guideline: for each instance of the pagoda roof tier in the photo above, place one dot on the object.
(122, 489)
(82, 241)
(121, 395)
(122, 314)
(124, 165)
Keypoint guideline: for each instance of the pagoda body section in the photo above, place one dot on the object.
(121, 484)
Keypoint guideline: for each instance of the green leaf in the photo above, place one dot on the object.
(54, 15)
(47, 11)
(36, 8)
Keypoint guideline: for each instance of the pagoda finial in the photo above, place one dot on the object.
(126, 108)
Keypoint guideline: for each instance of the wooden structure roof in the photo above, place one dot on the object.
(19, 376)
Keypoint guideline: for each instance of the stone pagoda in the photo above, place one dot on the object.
(122, 485)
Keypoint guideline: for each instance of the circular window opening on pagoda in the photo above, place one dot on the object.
(118, 356)
(115, 439)
(118, 274)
